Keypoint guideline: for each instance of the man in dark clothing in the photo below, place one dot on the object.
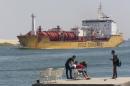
(114, 61)
(68, 66)
(38, 84)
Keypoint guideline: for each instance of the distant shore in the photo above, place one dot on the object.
(8, 41)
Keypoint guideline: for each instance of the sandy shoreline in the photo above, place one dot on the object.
(11, 41)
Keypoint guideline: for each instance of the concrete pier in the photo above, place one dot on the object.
(121, 81)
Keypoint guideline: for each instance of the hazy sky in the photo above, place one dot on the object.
(15, 14)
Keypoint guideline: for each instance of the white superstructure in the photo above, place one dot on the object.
(100, 27)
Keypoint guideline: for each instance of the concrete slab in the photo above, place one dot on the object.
(121, 81)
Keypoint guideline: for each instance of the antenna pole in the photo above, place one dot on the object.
(100, 10)
(101, 14)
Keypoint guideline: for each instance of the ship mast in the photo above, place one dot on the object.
(99, 10)
(100, 13)
(33, 24)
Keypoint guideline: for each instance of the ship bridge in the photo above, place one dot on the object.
(103, 26)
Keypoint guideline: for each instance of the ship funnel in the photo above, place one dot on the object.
(33, 25)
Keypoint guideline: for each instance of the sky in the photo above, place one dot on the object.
(15, 15)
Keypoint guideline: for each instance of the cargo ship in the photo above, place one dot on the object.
(101, 32)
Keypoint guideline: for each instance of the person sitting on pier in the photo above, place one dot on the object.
(81, 69)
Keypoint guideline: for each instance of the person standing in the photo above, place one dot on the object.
(114, 62)
(68, 66)
(38, 83)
